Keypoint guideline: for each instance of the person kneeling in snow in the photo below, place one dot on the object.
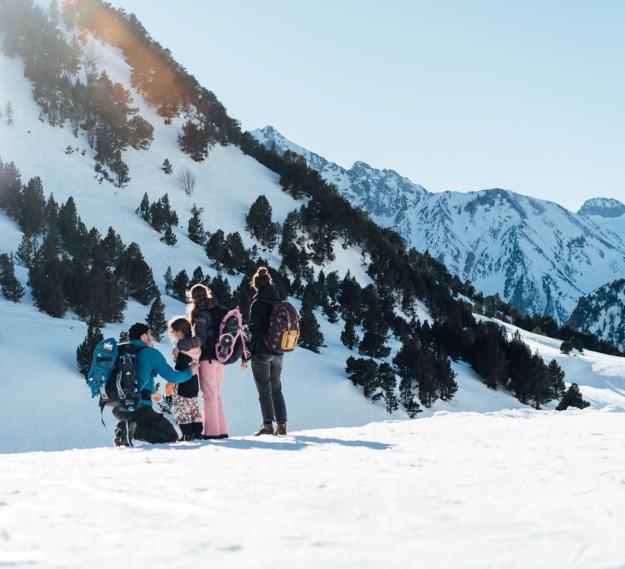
(145, 424)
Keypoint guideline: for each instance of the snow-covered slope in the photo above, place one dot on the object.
(534, 253)
(38, 375)
(602, 312)
(519, 489)
(601, 377)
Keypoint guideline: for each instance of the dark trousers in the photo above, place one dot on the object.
(267, 369)
(147, 425)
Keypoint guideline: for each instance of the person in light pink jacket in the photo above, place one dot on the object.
(206, 315)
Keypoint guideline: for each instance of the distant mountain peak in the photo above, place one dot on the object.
(603, 207)
(536, 254)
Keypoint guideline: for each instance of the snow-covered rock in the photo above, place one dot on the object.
(534, 253)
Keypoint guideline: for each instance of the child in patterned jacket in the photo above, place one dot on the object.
(185, 403)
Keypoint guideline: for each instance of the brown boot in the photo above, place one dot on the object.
(281, 430)
(265, 429)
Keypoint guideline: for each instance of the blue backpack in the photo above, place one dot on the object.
(113, 376)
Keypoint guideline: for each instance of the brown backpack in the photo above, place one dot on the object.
(283, 331)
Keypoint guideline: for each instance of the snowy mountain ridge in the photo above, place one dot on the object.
(533, 253)
(602, 312)
(602, 207)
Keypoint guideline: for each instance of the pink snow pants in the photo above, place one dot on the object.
(211, 378)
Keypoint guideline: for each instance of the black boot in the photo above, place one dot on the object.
(123, 434)
(281, 429)
(188, 432)
(197, 431)
(265, 429)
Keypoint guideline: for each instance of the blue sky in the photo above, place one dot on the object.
(455, 95)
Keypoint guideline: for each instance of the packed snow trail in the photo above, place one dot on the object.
(516, 489)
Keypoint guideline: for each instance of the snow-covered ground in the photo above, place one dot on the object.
(518, 489)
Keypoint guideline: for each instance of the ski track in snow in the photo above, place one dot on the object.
(513, 489)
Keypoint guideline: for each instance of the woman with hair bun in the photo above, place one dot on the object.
(266, 364)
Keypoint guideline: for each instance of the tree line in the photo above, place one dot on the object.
(92, 104)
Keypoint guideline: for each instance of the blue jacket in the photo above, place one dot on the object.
(150, 362)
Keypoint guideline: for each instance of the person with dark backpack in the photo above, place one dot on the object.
(206, 315)
(143, 423)
(274, 328)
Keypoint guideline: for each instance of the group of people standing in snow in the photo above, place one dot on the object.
(197, 369)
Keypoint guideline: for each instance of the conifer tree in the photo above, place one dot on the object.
(193, 141)
(363, 372)
(120, 169)
(169, 238)
(311, 337)
(348, 335)
(243, 295)
(144, 208)
(123, 336)
(565, 347)
(10, 189)
(94, 293)
(197, 277)
(9, 285)
(137, 275)
(171, 217)
(32, 213)
(489, 359)
(446, 385)
(572, 398)
(330, 311)
(26, 250)
(51, 214)
(333, 285)
(556, 375)
(113, 247)
(289, 232)
(216, 248)
(387, 383)
(166, 167)
(235, 254)
(374, 337)
(258, 222)
(71, 229)
(576, 344)
(222, 291)
(407, 398)
(156, 319)
(84, 352)
(196, 228)
(46, 276)
(180, 286)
